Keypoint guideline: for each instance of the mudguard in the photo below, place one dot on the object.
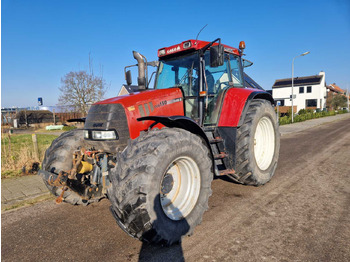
(236, 103)
(180, 122)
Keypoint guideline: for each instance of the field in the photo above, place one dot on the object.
(17, 151)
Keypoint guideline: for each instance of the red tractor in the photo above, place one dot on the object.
(154, 153)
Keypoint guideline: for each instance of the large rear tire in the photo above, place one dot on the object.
(161, 185)
(258, 143)
(58, 157)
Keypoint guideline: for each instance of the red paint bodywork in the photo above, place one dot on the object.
(195, 45)
(233, 105)
(132, 102)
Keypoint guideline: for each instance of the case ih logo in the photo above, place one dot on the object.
(172, 50)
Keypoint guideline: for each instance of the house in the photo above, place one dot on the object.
(333, 90)
(309, 92)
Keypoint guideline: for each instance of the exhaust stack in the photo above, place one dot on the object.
(141, 79)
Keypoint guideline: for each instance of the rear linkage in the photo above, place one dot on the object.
(89, 175)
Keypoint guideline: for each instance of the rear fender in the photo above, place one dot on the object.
(251, 97)
(236, 103)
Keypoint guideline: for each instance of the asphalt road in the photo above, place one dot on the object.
(303, 214)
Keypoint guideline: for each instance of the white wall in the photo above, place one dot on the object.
(318, 92)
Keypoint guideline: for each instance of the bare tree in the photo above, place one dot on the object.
(81, 89)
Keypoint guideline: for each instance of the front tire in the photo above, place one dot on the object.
(58, 157)
(258, 143)
(161, 185)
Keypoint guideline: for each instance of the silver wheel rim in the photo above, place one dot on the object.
(264, 143)
(180, 187)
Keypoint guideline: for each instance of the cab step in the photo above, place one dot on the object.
(220, 156)
(216, 140)
(226, 172)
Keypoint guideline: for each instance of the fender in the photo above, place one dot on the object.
(183, 122)
(236, 103)
(254, 95)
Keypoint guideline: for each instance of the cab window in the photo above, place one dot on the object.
(217, 80)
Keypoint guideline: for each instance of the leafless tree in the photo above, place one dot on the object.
(81, 89)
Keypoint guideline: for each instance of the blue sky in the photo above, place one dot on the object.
(43, 40)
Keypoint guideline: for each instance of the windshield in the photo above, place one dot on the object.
(179, 72)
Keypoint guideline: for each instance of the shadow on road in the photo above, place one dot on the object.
(175, 229)
(151, 252)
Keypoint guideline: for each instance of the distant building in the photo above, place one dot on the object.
(333, 90)
(309, 92)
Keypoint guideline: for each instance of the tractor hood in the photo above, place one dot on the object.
(121, 113)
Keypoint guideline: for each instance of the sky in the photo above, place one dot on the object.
(42, 40)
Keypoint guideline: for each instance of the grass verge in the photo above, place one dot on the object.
(17, 151)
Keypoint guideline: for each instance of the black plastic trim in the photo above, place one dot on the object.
(183, 122)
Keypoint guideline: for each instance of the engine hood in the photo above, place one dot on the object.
(159, 102)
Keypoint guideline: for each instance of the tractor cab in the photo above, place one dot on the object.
(203, 71)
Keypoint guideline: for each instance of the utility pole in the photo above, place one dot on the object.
(347, 89)
(303, 54)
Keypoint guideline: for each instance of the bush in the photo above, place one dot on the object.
(302, 112)
(308, 114)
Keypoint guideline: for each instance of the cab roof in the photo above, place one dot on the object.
(191, 45)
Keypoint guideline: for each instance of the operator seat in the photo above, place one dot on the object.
(210, 82)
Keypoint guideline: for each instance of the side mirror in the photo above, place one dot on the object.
(216, 55)
(128, 78)
(247, 63)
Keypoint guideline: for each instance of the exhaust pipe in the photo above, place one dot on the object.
(141, 79)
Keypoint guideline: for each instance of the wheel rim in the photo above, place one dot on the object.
(264, 143)
(180, 187)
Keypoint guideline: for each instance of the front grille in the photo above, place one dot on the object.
(108, 117)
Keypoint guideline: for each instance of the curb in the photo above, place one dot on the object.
(301, 126)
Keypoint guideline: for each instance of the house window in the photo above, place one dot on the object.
(301, 90)
(309, 89)
(311, 103)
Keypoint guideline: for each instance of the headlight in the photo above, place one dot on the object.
(161, 52)
(103, 135)
(187, 45)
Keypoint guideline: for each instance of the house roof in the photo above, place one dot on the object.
(333, 87)
(298, 81)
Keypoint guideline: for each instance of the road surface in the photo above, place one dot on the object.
(303, 214)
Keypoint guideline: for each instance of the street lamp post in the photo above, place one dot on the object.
(293, 82)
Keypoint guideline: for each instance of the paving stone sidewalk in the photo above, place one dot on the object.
(27, 187)
(300, 126)
(14, 190)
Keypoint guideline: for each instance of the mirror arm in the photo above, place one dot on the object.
(209, 45)
(150, 78)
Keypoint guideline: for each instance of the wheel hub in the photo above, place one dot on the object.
(264, 143)
(180, 188)
(167, 184)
